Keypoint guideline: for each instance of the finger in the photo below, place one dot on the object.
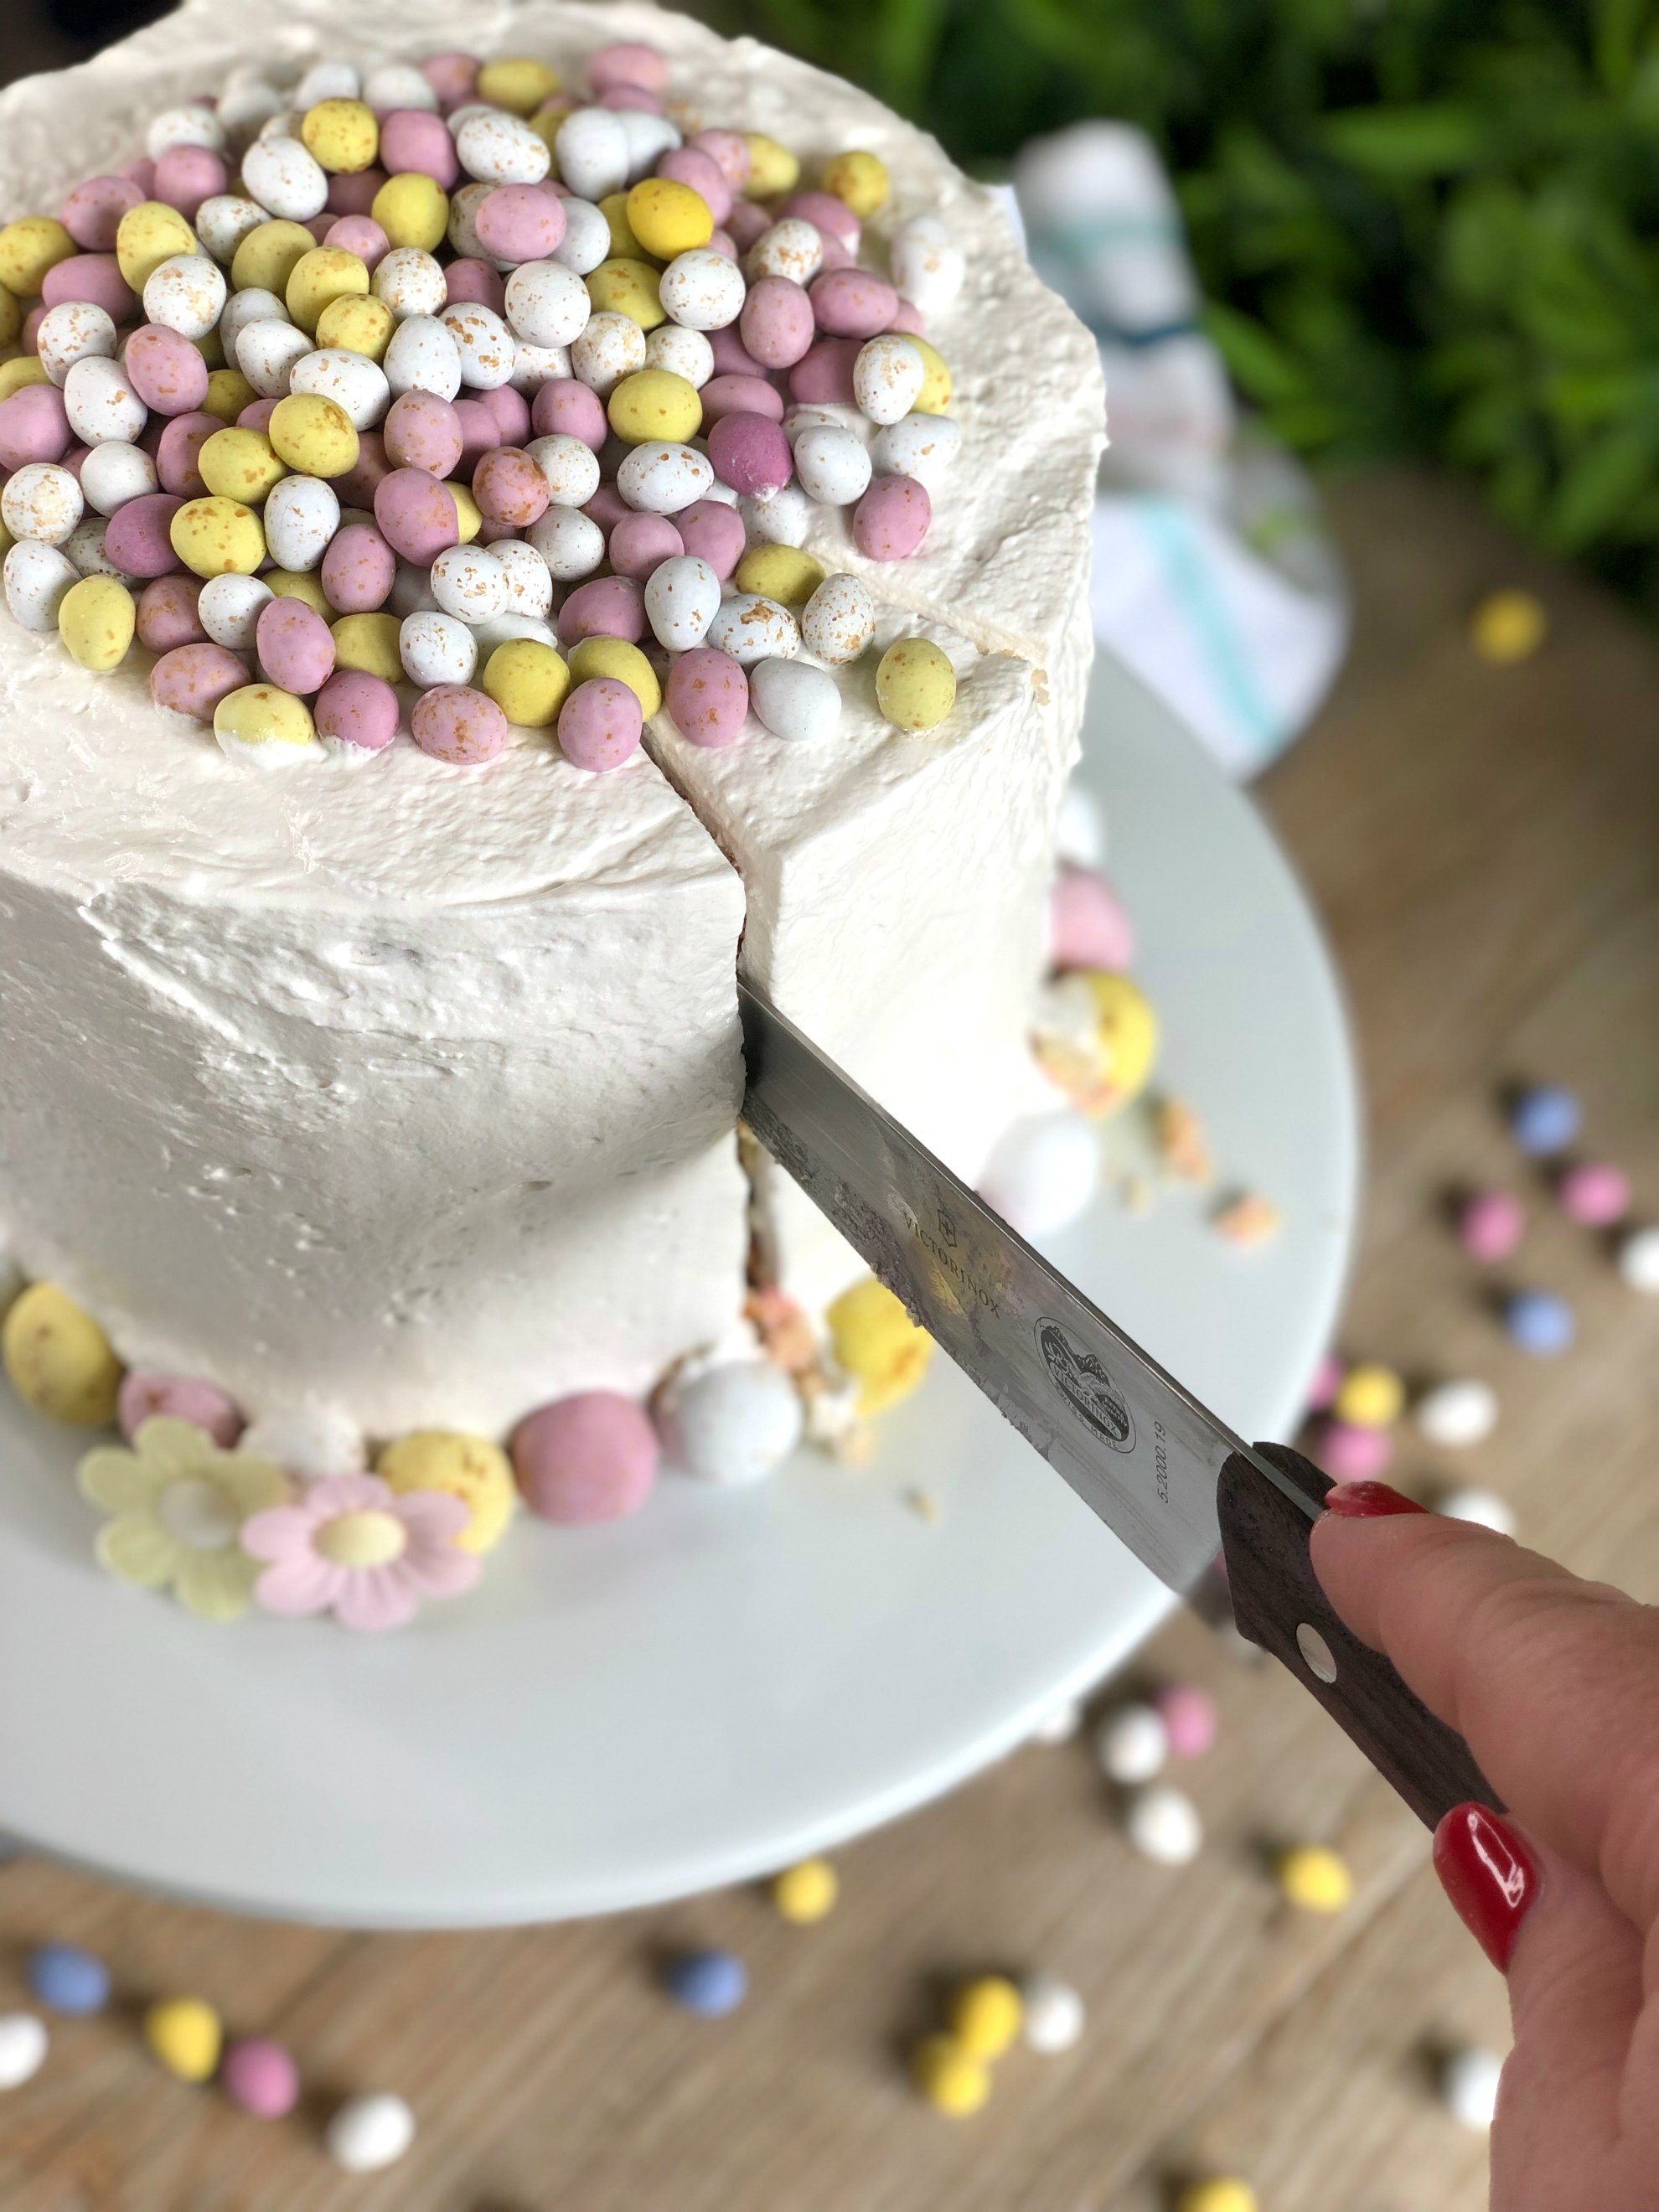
(1552, 1682)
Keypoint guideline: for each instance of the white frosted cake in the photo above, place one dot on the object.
(373, 1099)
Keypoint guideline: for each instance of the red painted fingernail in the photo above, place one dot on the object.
(1363, 1501)
(1489, 1875)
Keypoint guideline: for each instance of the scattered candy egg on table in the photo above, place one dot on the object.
(1315, 1879)
(1470, 1503)
(369, 2132)
(1042, 1171)
(1349, 1453)
(57, 1359)
(711, 1983)
(260, 2077)
(1468, 2081)
(1594, 1194)
(1060, 1724)
(1217, 2193)
(805, 1892)
(1053, 2017)
(186, 2035)
(730, 1423)
(952, 2079)
(1508, 627)
(67, 1979)
(1489, 1225)
(1163, 1824)
(1538, 1323)
(1638, 1260)
(1457, 1414)
(23, 2041)
(1545, 1119)
(985, 2015)
(1132, 1743)
(1369, 1397)
(1188, 1716)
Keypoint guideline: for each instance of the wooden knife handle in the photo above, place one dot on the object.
(1277, 1603)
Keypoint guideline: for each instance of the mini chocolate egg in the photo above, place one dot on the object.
(23, 2042)
(72, 332)
(833, 465)
(1043, 1173)
(286, 178)
(223, 220)
(569, 466)
(100, 403)
(300, 516)
(682, 597)
(455, 723)
(484, 346)
(702, 290)
(229, 607)
(922, 447)
(185, 293)
(795, 701)
(437, 648)
(928, 269)
(682, 352)
(41, 502)
(730, 1424)
(887, 374)
(369, 2132)
(423, 356)
(410, 282)
(610, 346)
(706, 696)
(468, 582)
(114, 473)
(753, 628)
(358, 386)
(569, 541)
(267, 353)
(661, 477)
(1457, 1414)
(792, 248)
(839, 620)
(38, 577)
(1051, 2013)
(59, 1360)
(1163, 1824)
(497, 148)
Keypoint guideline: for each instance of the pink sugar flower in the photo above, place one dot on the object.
(351, 1545)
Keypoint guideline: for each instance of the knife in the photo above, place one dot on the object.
(1169, 1479)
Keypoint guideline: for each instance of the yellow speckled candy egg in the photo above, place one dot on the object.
(654, 403)
(668, 217)
(1126, 1031)
(237, 464)
(469, 515)
(985, 2015)
(28, 368)
(211, 347)
(314, 435)
(1369, 1397)
(266, 259)
(469, 1467)
(773, 169)
(805, 1892)
(1315, 1878)
(782, 573)
(627, 288)
(31, 246)
(915, 684)
(1218, 2193)
(858, 180)
(58, 1358)
(934, 396)
(876, 1343)
(341, 135)
(217, 537)
(412, 209)
(263, 714)
(146, 236)
(299, 584)
(528, 681)
(369, 642)
(1508, 626)
(357, 325)
(614, 656)
(11, 316)
(325, 274)
(518, 82)
(186, 2035)
(614, 208)
(952, 2079)
(96, 621)
(227, 393)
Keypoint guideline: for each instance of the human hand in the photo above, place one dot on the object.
(1553, 1683)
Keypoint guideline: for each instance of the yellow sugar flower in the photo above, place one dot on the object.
(177, 1505)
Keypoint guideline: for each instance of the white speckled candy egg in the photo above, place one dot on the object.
(498, 148)
(229, 610)
(611, 347)
(330, 78)
(682, 352)
(920, 446)
(927, 269)
(572, 544)
(587, 240)
(832, 466)
(469, 582)
(661, 478)
(76, 331)
(243, 310)
(307, 1441)
(224, 220)
(187, 124)
(1041, 1174)
(100, 403)
(185, 293)
(887, 377)
(368, 2133)
(282, 175)
(36, 578)
(593, 152)
(483, 343)
(352, 380)
(22, 2048)
(547, 304)
(502, 630)
(42, 501)
(113, 474)
(682, 597)
(244, 110)
(410, 282)
(839, 620)
(463, 232)
(751, 629)
(781, 520)
(805, 416)
(570, 465)
(286, 123)
(534, 365)
(437, 648)
(702, 290)
(648, 138)
(397, 85)
(423, 356)
(459, 117)
(794, 700)
(267, 354)
(300, 516)
(85, 547)
(792, 248)
(732, 1424)
(529, 585)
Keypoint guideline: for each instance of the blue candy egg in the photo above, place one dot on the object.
(1539, 1321)
(711, 1982)
(1544, 1120)
(67, 1979)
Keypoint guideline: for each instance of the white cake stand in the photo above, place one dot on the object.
(627, 1714)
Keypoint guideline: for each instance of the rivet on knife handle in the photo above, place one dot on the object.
(1277, 1603)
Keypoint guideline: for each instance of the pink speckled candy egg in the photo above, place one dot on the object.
(1350, 1454)
(640, 542)
(823, 375)
(512, 412)
(1595, 1194)
(519, 222)
(30, 339)
(141, 171)
(194, 679)
(1489, 1225)
(454, 723)
(417, 515)
(629, 62)
(607, 508)
(825, 213)
(706, 696)
(728, 150)
(722, 242)
(415, 142)
(358, 570)
(480, 435)
(633, 97)
(563, 407)
(740, 395)
(599, 724)
(751, 454)
(609, 606)
(166, 370)
(906, 319)
(187, 175)
(361, 235)
(714, 533)
(93, 211)
(852, 303)
(422, 432)
(358, 486)
(1188, 1716)
(95, 278)
(320, 224)
(357, 709)
(748, 221)
(509, 488)
(141, 1397)
(178, 453)
(589, 1457)
(257, 415)
(471, 283)
(352, 193)
(167, 613)
(689, 165)
(137, 539)
(777, 323)
(1087, 926)
(891, 519)
(1325, 1383)
(731, 356)
(33, 426)
(452, 75)
(260, 2077)
(296, 647)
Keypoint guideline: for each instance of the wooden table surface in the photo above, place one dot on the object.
(1485, 847)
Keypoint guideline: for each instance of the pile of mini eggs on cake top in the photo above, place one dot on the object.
(441, 377)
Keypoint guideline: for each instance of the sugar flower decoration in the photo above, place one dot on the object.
(353, 1548)
(177, 1504)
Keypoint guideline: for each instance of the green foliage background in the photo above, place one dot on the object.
(1423, 226)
